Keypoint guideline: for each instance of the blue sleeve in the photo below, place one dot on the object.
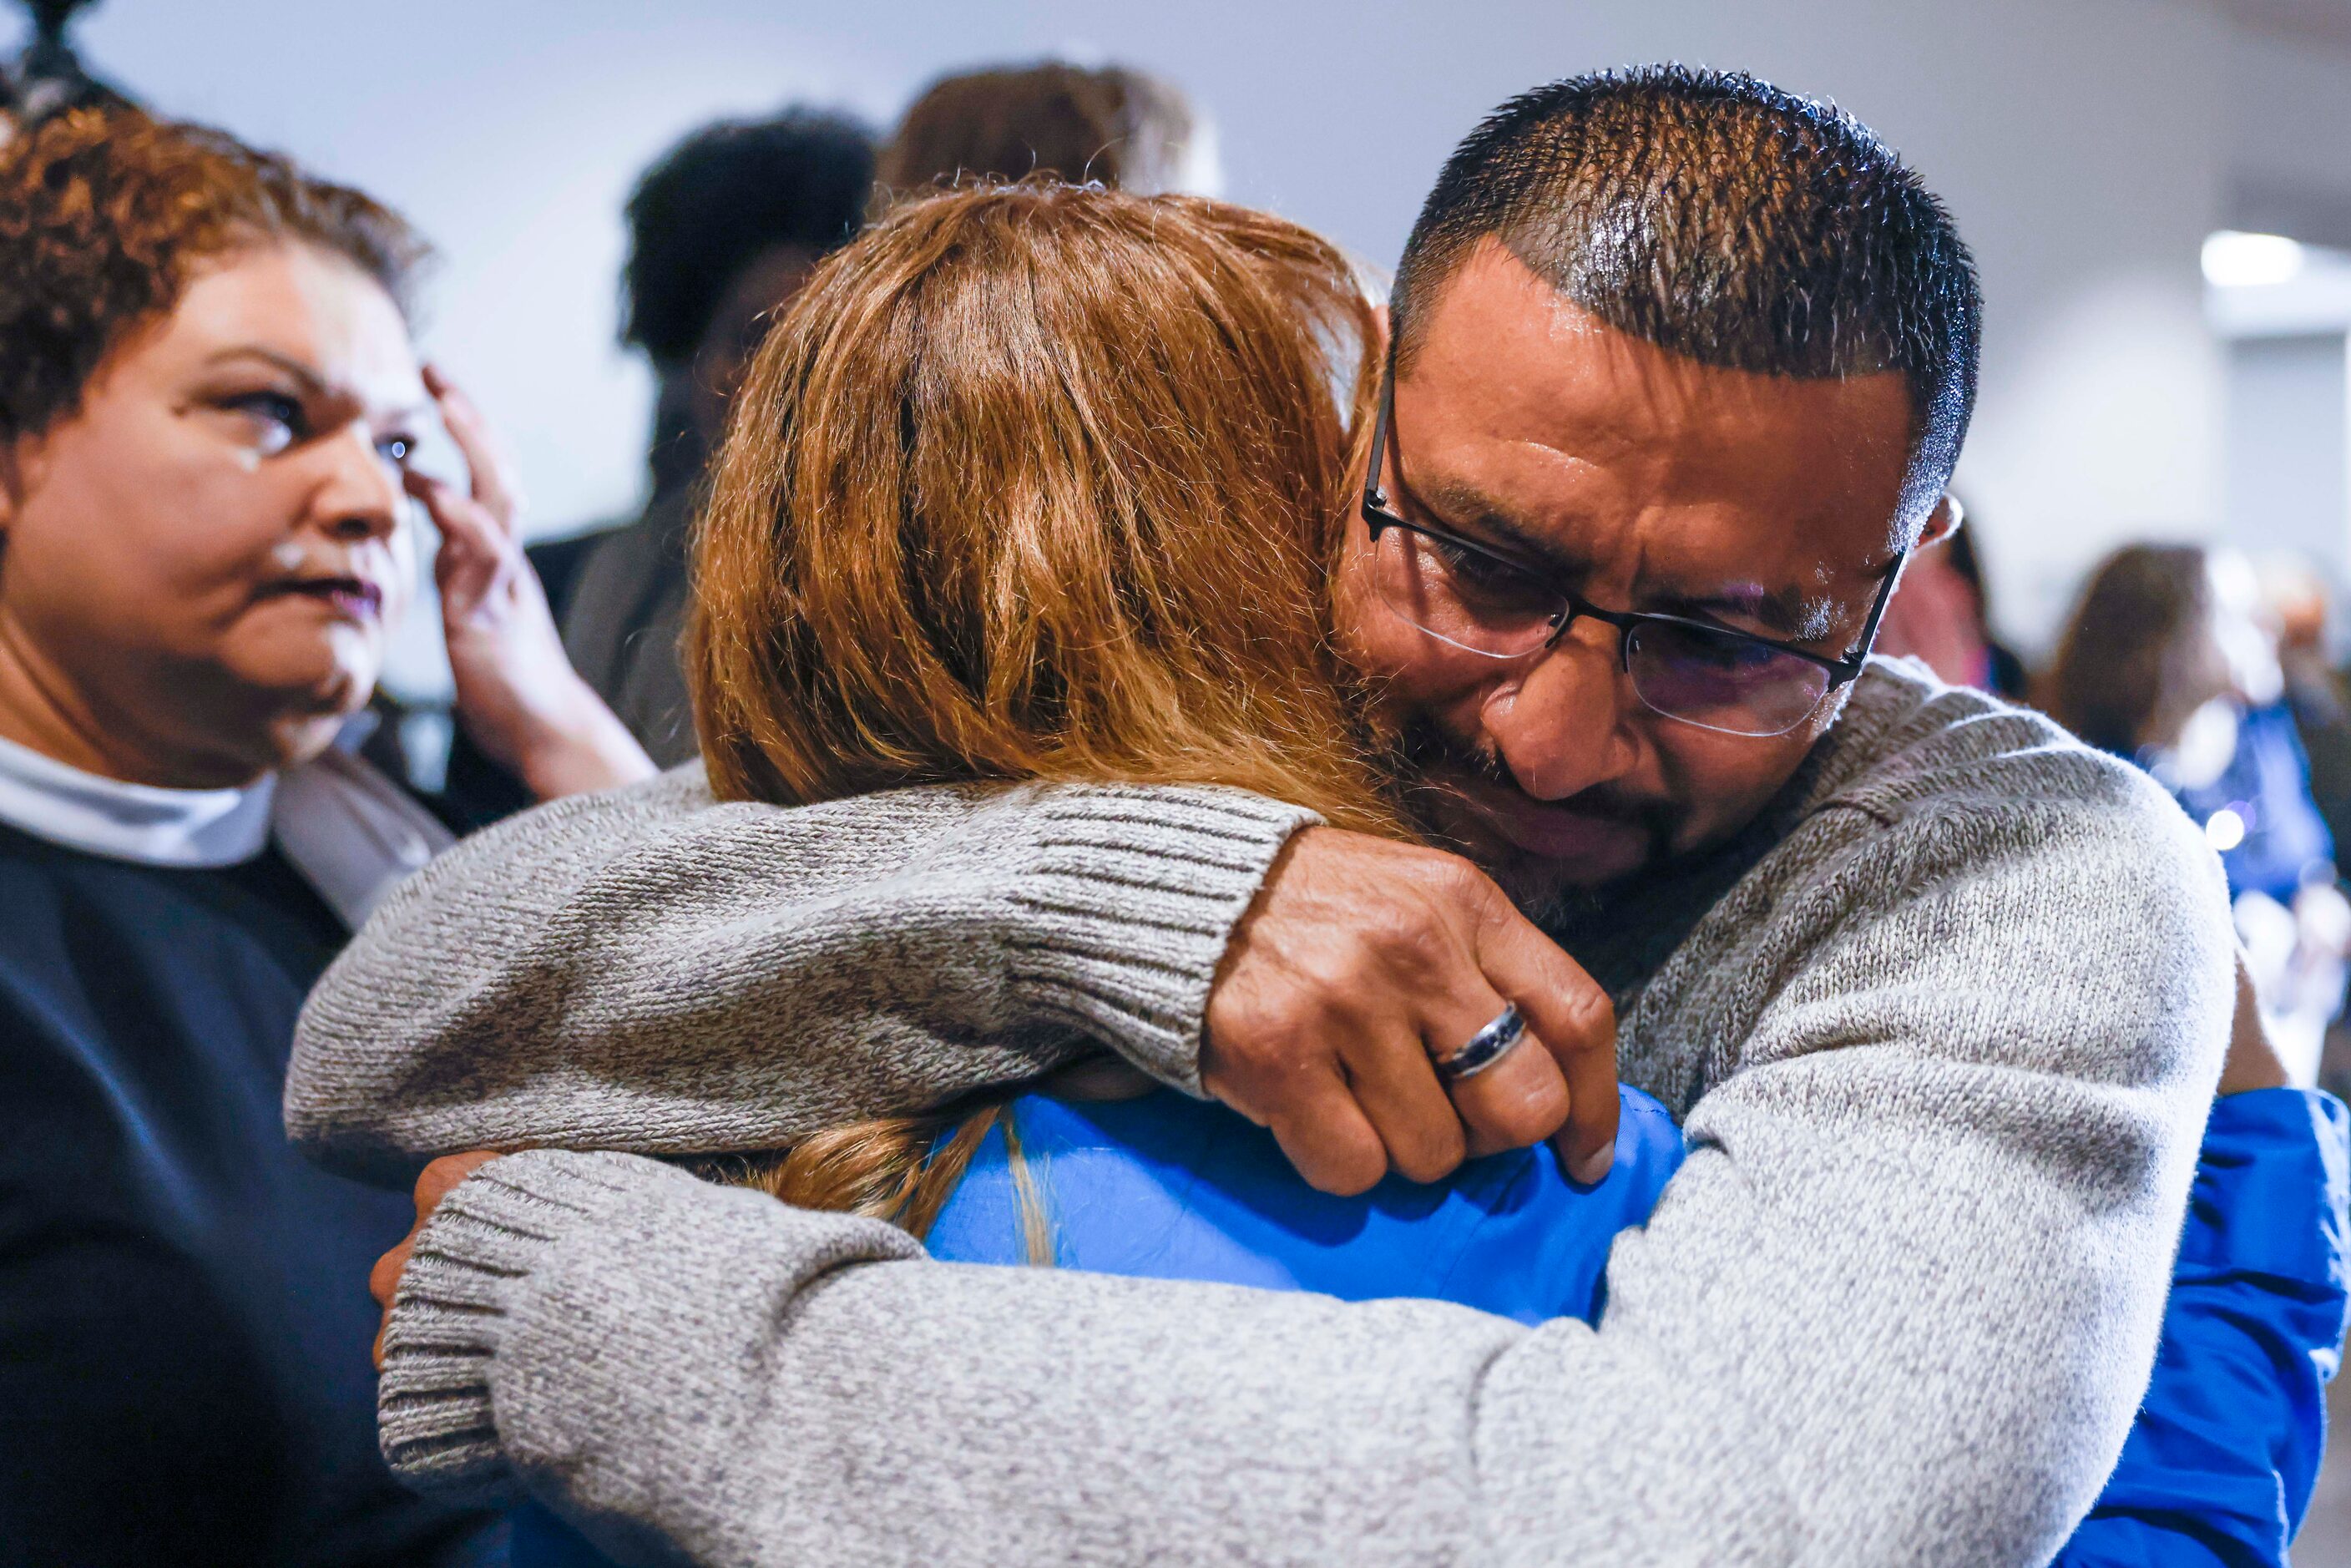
(2219, 1467)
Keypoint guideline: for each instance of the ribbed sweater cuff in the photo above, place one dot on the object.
(1134, 896)
(456, 1299)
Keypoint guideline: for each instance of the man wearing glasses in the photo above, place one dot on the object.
(1681, 367)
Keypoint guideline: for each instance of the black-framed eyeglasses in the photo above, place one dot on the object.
(1487, 601)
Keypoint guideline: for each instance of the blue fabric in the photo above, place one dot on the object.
(2267, 785)
(1170, 1187)
(2218, 1468)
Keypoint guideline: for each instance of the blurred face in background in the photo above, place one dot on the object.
(200, 565)
(1645, 482)
(750, 306)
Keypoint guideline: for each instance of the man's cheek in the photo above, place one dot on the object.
(1714, 803)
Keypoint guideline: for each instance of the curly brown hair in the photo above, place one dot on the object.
(106, 215)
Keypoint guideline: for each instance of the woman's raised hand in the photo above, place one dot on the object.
(517, 693)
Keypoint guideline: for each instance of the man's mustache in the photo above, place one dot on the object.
(1425, 751)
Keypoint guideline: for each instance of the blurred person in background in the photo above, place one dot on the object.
(722, 232)
(209, 408)
(1940, 616)
(1109, 124)
(2297, 604)
(2166, 661)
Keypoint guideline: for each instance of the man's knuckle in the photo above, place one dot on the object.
(1592, 1015)
(1433, 1155)
(1464, 886)
(1278, 1027)
(1399, 944)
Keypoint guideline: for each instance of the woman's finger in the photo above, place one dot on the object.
(465, 524)
(492, 479)
(473, 549)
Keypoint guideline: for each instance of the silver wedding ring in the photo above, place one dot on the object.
(1484, 1048)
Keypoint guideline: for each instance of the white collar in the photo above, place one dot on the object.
(349, 831)
(136, 823)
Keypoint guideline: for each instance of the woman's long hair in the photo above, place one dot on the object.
(2132, 661)
(1035, 482)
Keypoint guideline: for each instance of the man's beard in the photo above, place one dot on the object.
(1421, 751)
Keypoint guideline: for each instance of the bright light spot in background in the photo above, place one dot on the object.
(2224, 830)
(2233, 260)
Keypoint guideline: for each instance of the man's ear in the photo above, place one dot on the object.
(1941, 523)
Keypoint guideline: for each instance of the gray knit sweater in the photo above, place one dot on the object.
(1943, 1026)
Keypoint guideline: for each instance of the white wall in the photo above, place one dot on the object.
(2080, 141)
(2287, 448)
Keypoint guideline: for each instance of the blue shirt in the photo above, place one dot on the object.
(2219, 1466)
(1170, 1187)
(2216, 1469)
(2266, 786)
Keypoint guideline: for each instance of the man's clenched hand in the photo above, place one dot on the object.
(1360, 962)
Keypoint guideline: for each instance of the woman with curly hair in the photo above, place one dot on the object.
(209, 402)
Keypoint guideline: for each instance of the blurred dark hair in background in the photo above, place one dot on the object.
(723, 229)
(720, 198)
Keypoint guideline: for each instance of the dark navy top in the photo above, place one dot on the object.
(185, 1322)
(2218, 1468)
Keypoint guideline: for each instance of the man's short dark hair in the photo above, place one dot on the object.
(723, 196)
(1722, 219)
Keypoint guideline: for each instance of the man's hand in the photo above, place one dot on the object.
(439, 1180)
(1361, 961)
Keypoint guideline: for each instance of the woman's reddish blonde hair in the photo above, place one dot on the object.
(1034, 482)
(1039, 481)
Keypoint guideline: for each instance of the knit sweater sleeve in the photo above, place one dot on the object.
(1897, 1308)
(655, 971)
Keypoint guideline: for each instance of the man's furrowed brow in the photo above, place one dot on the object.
(1784, 612)
(1464, 506)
